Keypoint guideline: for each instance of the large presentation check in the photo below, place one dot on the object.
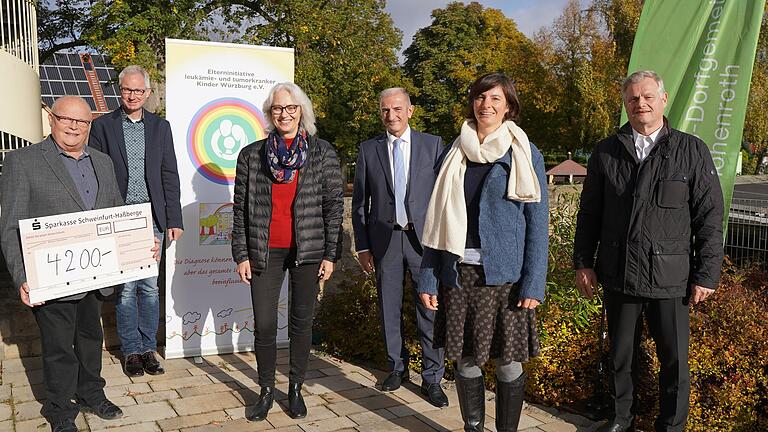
(77, 252)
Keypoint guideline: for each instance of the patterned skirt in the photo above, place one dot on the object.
(483, 321)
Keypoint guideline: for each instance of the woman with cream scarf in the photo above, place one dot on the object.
(485, 251)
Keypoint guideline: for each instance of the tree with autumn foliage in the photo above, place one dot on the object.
(462, 43)
(346, 53)
(585, 51)
(568, 76)
(134, 32)
(756, 122)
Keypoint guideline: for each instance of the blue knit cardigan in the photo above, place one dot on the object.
(514, 237)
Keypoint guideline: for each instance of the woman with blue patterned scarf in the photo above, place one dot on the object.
(288, 206)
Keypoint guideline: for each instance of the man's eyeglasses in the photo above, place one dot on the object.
(68, 121)
(127, 91)
(277, 109)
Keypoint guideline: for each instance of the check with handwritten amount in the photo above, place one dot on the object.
(72, 253)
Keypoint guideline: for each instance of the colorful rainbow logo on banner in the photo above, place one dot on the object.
(217, 133)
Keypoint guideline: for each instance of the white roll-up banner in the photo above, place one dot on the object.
(214, 95)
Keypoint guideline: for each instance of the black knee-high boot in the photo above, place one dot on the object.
(509, 403)
(471, 393)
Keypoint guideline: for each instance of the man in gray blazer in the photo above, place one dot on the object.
(394, 176)
(52, 177)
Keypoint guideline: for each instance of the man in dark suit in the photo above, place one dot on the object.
(394, 176)
(141, 147)
(56, 176)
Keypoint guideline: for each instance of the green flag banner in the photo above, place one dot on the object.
(704, 51)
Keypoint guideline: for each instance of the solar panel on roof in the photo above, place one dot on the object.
(90, 101)
(83, 88)
(113, 103)
(57, 88)
(103, 74)
(61, 59)
(66, 74)
(53, 73)
(70, 88)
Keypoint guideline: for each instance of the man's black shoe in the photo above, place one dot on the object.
(65, 425)
(394, 380)
(615, 427)
(435, 394)
(150, 364)
(105, 410)
(133, 366)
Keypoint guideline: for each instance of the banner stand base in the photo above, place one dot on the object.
(197, 352)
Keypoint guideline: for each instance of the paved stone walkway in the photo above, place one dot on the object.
(212, 396)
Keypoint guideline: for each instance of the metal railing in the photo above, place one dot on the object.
(18, 37)
(8, 143)
(747, 235)
(18, 30)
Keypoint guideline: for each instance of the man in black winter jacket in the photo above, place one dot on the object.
(652, 209)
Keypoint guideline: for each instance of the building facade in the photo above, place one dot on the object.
(20, 112)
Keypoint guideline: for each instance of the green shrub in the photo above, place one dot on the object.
(349, 326)
(567, 322)
(728, 346)
(729, 356)
(347, 321)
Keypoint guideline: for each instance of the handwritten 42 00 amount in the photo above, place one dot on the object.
(88, 258)
(76, 261)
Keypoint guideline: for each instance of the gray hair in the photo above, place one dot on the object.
(134, 69)
(640, 75)
(301, 98)
(395, 90)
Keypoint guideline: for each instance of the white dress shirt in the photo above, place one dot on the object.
(645, 143)
(405, 148)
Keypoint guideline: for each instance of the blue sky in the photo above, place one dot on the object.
(530, 15)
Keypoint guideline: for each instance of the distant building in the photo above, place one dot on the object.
(20, 114)
(569, 169)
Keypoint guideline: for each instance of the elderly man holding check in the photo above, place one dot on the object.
(58, 176)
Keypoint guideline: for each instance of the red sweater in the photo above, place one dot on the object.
(282, 224)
